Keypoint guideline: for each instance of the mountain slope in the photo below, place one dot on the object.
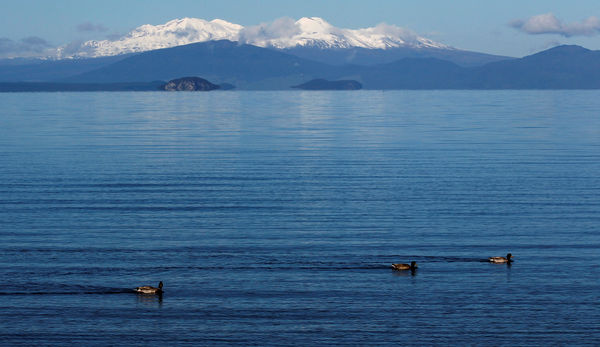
(415, 73)
(53, 70)
(562, 67)
(245, 66)
(364, 56)
(251, 67)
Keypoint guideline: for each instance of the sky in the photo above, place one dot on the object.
(509, 27)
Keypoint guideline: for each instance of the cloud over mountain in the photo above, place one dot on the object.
(31, 46)
(548, 23)
(284, 27)
(315, 31)
(91, 27)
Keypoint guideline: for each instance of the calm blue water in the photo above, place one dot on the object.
(272, 218)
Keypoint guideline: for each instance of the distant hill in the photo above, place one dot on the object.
(364, 56)
(251, 67)
(562, 67)
(79, 87)
(322, 84)
(414, 73)
(37, 70)
(245, 66)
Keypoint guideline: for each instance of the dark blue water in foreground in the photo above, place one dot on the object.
(272, 218)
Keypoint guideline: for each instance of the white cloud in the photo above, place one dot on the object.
(548, 24)
(76, 47)
(91, 27)
(31, 46)
(387, 30)
(280, 28)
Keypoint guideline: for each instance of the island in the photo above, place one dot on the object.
(322, 84)
(189, 84)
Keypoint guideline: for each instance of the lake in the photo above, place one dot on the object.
(273, 218)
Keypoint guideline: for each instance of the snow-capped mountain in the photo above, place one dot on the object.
(316, 32)
(149, 37)
(282, 33)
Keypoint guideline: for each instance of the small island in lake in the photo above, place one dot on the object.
(322, 84)
(189, 84)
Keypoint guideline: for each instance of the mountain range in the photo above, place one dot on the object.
(287, 53)
(281, 34)
(309, 37)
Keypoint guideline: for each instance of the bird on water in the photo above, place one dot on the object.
(150, 289)
(411, 266)
(507, 259)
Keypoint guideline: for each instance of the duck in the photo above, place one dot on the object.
(412, 266)
(507, 259)
(150, 289)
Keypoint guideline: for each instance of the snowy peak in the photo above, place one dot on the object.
(313, 25)
(316, 32)
(281, 33)
(149, 37)
(286, 33)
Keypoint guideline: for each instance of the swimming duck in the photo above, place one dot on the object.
(150, 290)
(412, 266)
(508, 259)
